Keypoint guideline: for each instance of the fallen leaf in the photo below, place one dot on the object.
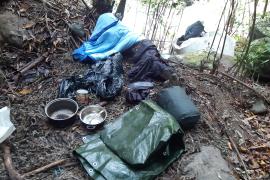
(25, 91)
(262, 163)
(242, 149)
(22, 10)
(230, 146)
(28, 25)
(254, 164)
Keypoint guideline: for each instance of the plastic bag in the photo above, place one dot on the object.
(105, 79)
(6, 126)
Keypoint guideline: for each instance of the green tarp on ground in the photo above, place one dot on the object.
(140, 144)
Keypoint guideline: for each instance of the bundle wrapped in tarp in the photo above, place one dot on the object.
(110, 36)
(140, 144)
(175, 101)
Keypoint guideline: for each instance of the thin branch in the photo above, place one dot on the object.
(13, 174)
(244, 84)
(238, 155)
(223, 11)
(44, 168)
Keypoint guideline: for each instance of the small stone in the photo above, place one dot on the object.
(259, 107)
(77, 29)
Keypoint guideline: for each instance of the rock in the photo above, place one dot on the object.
(11, 30)
(77, 29)
(259, 107)
(208, 165)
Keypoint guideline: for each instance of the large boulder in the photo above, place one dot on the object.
(208, 165)
(11, 29)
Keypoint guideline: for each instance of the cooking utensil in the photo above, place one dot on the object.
(93, 116)
(82, 96)
(61, 112)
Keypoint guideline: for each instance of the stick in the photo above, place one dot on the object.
(44, 168)
(47, 25)
(73, 41)
(50, 5)
(244, 84)
(268, 122)
(9, 87)
(103, 103)
(238, 155)
(13, 174)
(32, 64)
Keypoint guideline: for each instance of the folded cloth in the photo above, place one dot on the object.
(109, 37)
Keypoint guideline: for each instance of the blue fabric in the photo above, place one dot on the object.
(109, 37)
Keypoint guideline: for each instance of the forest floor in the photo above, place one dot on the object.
(223, 102)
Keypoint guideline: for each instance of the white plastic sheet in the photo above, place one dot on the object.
(6, 126)
(203, 44)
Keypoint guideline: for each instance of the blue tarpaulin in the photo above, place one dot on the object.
(109, 37)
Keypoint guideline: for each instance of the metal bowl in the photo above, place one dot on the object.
(61, 112)
(93, 116)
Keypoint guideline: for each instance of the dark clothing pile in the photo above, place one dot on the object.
(138, 91)
(194, 30)
(148, 64)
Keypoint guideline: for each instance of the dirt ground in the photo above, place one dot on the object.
(224, 105)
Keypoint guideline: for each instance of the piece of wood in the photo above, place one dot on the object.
(244, 84)
(260, 120)
(74, 42)
(50, 5)
(32, 64)
(9, 86)
(238, 155)
(103, 103)
(44, 168)
(13, 174)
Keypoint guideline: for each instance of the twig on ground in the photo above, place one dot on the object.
(244, 84)
(74, 42)
(47, 25)
(13, 174)
(49, 4)
(268, 122)
(238, 154)
(32, 64)
(9, 87)
(44, 168)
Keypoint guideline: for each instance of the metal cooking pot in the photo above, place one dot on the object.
(93, 116)
(61, 112)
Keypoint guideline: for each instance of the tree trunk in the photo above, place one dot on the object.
(252, 28)
(103, 6)
(121, 8)
(265, 8)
